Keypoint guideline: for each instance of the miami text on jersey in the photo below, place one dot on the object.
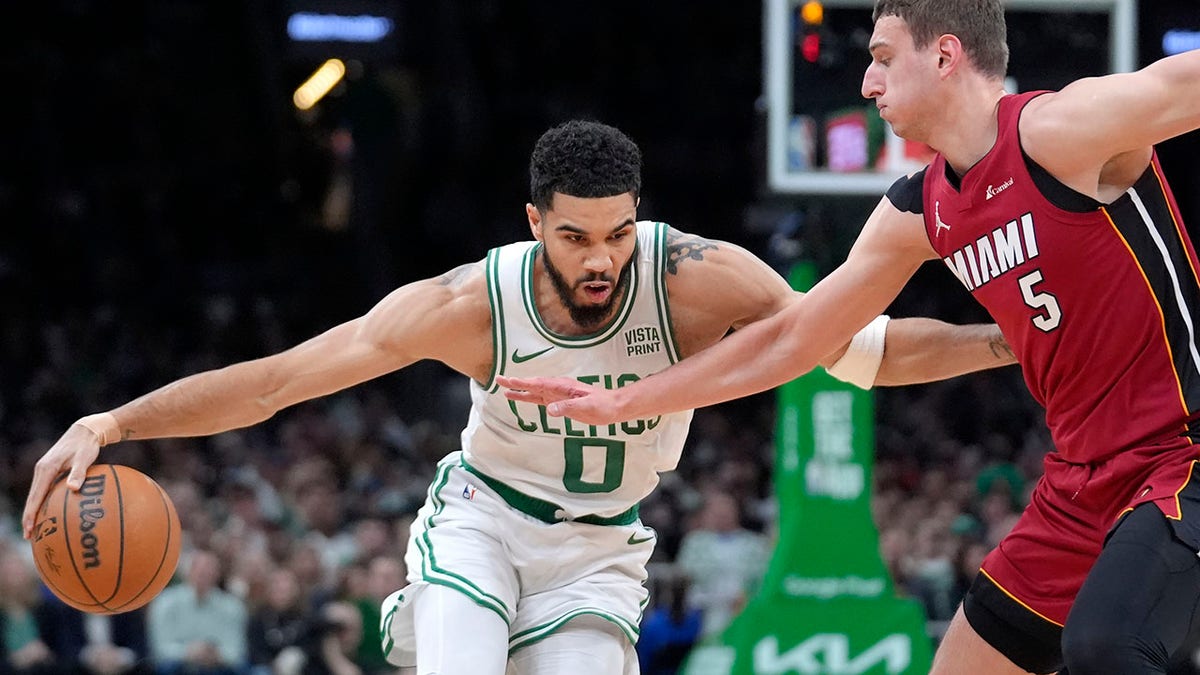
(994, 254)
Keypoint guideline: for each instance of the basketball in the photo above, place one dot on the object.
(111, 546)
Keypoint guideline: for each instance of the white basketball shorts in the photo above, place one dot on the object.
(533, 574)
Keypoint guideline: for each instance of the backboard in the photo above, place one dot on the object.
(823, 138)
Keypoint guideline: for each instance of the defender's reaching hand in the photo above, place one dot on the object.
(566, 397)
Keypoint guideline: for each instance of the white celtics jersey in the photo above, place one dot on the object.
(586, 470)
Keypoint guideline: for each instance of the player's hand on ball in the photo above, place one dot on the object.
(565, 397)
(110, 546)
(75, 451)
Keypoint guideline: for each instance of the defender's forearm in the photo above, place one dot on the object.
(754, 359)
(926, 350)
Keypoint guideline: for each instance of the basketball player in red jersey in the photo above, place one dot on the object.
(1052, 210)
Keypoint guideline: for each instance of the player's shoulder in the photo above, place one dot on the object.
(466, 276)
(462, 295)
(446, 317)
(714, 285)
(703, 269)
(908, 192)
(461, 291)
(685, 251)
(705, 263)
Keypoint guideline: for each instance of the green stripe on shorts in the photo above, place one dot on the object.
(542, 631)
(434, 574)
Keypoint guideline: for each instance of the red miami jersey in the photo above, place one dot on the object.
(1099, 302)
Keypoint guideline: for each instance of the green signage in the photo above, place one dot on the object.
(827, 605)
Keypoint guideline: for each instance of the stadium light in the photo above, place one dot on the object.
(319, 84)
(813, 13)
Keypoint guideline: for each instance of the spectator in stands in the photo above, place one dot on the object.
(930, 572)
(23, 650)
(331, 646)
(282, 621)
(671, 628)
(316, 586)
(724, 561)
(95, 644)
(385, 573)
(196, 627)
(314, 492)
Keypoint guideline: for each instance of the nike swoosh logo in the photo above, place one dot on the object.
(522, 358)
(633, 539)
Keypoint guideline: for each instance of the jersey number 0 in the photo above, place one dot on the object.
(614, 464)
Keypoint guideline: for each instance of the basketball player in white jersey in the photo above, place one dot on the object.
(528, 555)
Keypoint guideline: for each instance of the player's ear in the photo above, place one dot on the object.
(949, 52)
(535, 221)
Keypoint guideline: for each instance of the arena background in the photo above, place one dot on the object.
(167, 209)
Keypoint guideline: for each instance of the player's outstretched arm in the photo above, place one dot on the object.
(1099, 129)
(926, 350)
(434, 318)
(715, 286)
(915, 350)
(767, 352)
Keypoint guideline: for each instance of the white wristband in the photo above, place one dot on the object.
(104, 425)
(860, 364)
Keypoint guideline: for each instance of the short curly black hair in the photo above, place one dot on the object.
(583, 159)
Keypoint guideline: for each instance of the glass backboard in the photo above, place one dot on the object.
(824, 138)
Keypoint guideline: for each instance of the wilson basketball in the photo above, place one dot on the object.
(111, 546)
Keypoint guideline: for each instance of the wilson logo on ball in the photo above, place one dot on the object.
(92, 493)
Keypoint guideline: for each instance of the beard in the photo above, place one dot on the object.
(587, 315)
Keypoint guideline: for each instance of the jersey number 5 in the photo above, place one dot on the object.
(1049, 315)
(614, 464)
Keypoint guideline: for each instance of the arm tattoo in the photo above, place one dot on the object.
(1000, 348)
(682, 246)
(455, 276)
